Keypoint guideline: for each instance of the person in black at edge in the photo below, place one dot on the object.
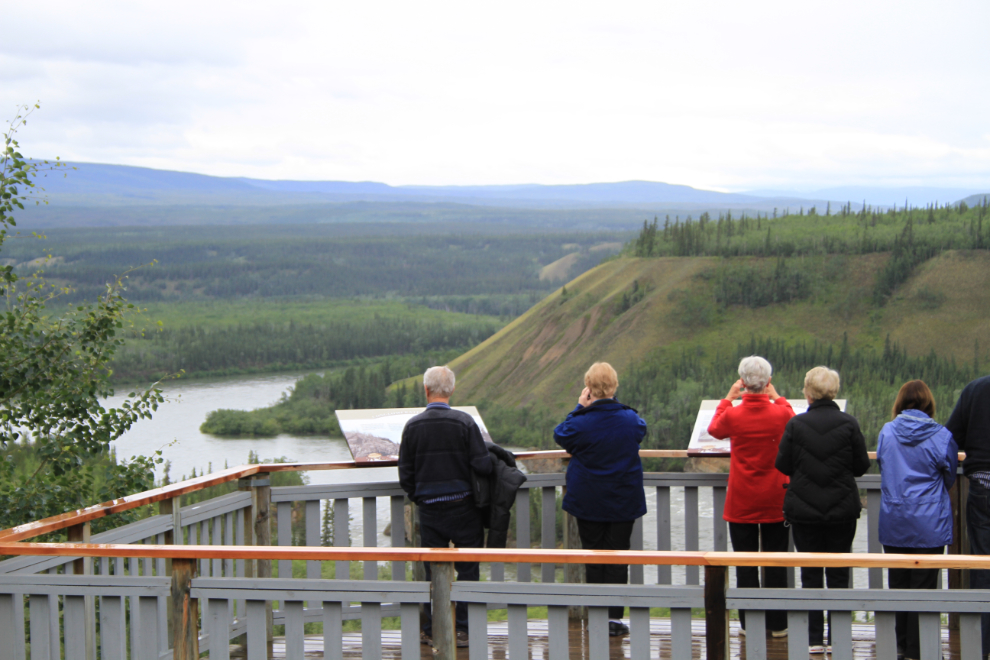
(970, 426)
(440, 447)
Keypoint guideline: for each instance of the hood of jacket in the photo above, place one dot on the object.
(912, 427)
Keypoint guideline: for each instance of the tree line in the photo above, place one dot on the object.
(910, 235)
(847, 232)
(252, 347)
(309, 408)
(225, 262)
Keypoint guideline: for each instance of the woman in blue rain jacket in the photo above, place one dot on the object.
(604, 476)
(918, 459)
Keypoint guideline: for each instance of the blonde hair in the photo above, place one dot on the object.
(602, 380)
(821, 383)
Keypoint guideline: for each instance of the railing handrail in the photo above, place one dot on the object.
(506, 555)
(90, 513)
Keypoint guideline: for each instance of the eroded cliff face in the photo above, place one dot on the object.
(544, 354)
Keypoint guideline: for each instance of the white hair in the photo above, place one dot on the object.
(755, 373)
(439, 381)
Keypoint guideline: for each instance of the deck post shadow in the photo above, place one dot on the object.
(442, 574)
(185, 611)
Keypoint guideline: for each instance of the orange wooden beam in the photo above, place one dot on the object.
(509, 555)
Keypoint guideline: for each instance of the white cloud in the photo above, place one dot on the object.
(712, 94)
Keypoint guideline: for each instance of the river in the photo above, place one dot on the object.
(175, 430)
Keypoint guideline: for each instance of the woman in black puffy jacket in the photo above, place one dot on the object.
(822, 451)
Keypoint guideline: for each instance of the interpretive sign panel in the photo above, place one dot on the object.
(374, 435)
(703, 444)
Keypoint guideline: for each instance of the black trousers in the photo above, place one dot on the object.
(439, 525)
(906, 623)
(836, 537)
(606, 536)
(754, 537)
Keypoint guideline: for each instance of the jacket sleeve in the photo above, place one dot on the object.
(407, 467)
(640, 428)
(880, 444)
(861, 460)
(959, 419)
(481, 460)
(951, 464)
(785, 459)
(719, 427)
(501, 454)
(566, 433)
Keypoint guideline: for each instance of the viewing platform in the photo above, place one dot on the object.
(258, 571)
(863, 647)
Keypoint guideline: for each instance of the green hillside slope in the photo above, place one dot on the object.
(672, 329)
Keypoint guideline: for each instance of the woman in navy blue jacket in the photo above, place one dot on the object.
(604, 476)
(918, 459)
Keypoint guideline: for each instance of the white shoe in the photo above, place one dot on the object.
(816, 650)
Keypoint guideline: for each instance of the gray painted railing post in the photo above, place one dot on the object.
(84, 566)
(185, 611)
(443, 610)
(171, 507)
(716, 614)
(247, 522)
(261, 502)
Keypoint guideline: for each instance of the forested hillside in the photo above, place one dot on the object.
(241, 337)
(443, 265)
(884, 297)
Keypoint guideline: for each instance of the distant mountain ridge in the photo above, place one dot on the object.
(91, 181)
(94, 194)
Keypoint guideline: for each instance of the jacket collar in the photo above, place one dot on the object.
(823, 403)
(605, 404)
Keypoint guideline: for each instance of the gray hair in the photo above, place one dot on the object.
(755, 373)
(439, 381)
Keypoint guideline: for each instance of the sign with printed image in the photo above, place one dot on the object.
(702, 444)
(374, 435)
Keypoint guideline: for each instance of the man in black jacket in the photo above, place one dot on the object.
(440, 448)
(970, 426)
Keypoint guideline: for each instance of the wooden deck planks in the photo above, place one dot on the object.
(660, 643)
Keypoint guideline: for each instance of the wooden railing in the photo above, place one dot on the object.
(143, 564)
(186, 591)
(165, 493)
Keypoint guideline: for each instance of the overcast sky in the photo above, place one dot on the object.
(722, 94)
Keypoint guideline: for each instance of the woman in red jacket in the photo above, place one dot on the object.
(754, 500)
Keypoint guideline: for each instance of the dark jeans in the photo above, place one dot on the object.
(836, 537)
(906, 623)
(460, 523)
(606, 536)
(765, 537)
(978, 525)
